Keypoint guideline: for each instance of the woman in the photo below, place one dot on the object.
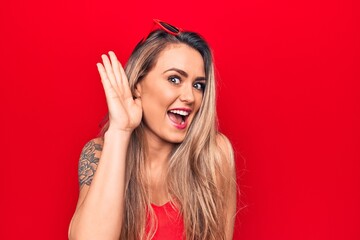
(160, 169)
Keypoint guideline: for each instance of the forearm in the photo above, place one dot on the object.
(100, 214)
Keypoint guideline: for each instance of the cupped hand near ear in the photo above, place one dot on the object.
(125, 112)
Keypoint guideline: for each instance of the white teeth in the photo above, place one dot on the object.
(180, 112)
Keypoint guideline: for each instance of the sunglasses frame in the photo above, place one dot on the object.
(167, 27)
(171, 29)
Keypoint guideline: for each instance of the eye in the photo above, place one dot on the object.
(174, 79)
(199, 86)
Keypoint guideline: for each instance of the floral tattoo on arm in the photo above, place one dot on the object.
(88, 163)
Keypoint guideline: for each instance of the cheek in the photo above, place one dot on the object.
(158, 100)
(199, 99)
(164, 97)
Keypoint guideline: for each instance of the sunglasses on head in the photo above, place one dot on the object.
(166, 27)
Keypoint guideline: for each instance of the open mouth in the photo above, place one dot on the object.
(178, 117)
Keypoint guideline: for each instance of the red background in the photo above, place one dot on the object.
(288, 100)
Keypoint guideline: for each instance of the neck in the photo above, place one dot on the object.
(157, 156)
(157, 151)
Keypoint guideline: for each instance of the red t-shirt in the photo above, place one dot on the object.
(170, 222)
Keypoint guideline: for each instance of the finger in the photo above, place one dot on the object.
(125, 82)
(116, 68)
(104, 79)
(109, 70)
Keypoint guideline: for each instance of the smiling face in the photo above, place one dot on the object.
(171, 93)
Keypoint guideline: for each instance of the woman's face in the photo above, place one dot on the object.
(171, 93)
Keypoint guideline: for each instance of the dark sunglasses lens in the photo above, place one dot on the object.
(170, 27)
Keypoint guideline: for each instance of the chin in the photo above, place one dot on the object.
(176, 139)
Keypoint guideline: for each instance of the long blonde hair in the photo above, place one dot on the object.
(196, 177)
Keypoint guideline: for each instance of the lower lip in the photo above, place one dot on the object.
(179, 126)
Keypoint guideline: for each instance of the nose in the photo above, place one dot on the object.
(187, 94)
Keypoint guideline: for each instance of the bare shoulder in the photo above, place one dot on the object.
(226, 149)
(89, 160)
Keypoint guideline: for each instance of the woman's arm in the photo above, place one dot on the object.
(229, 170)
(100, 207)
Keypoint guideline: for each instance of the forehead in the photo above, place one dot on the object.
(182, 57)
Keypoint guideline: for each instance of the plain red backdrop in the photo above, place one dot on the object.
(288, 100)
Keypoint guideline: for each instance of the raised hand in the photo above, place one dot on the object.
(125, 112)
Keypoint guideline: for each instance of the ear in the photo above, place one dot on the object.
(138, 90)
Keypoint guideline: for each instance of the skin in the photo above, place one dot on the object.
(174, 82)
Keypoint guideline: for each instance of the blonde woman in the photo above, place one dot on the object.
(159, 168)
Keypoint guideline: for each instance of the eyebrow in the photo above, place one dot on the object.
(184, 74)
